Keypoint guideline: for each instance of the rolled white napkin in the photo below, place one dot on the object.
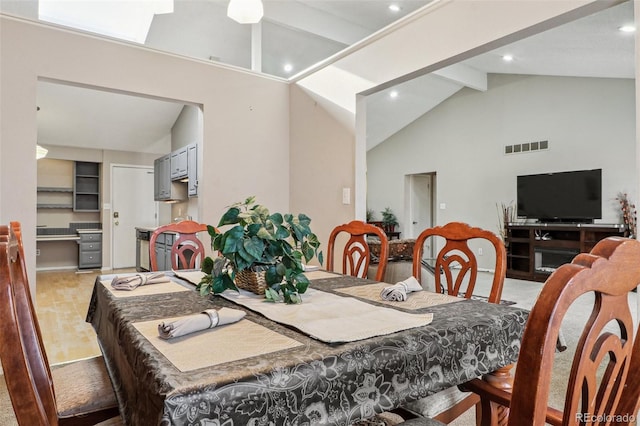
(191, 323)
(398, 292)
(134, 281)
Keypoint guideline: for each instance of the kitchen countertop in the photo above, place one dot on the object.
(89, 231)
(70, 237)
(146, 228)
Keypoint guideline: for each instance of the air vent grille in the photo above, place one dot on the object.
(525, 147)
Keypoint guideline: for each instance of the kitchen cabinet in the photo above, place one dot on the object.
(162, 179)
(171, 172)
(86, 189)
(163, 245)
(192, 170)
(164, 188)
(179, 164)
(90, 249)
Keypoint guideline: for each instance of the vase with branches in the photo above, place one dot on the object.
(506, 215)
(628, 213)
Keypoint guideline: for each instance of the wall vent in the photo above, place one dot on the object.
(526, 147)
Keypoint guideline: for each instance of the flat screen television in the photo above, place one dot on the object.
(561, 197)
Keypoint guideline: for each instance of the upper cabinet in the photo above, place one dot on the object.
(86, 190)
(192, 170)
(179, 164)
(176, 174)
(162, 178)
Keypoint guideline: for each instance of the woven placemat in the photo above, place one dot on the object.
(415, 300)
(146, 290)
(216, 345)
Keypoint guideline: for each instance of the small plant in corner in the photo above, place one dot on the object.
(370, 215)
(262, 242)
(389, 220)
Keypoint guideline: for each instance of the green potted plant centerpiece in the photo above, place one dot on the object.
(260, 251)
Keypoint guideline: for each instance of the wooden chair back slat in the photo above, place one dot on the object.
(606, 344)
(356, 255)
(456, 252)
(187, 250)
(24, 359)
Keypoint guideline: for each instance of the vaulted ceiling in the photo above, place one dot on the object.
(303, 32)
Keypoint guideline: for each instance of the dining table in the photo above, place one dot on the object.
(278, 365)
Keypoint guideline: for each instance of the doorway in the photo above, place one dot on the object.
(132, 206)
(419, 204)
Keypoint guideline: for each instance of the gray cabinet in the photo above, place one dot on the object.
(162, 174)
(164, 188)
(192, 170)
(86, 188)
(172, 171)
(162, 248)
(179, 164)
(90, 250)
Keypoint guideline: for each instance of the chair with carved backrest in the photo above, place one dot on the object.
(456, 271)
(74, 393)
(603, 383)
(356, 255)
(187, 250)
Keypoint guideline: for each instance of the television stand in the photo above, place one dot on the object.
(534, 251)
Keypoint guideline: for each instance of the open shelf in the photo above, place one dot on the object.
(86, 194)
(53, 189)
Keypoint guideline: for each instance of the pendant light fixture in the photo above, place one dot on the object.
(245, 11)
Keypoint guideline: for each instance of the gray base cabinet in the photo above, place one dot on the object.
(90, 254)
(163, 245)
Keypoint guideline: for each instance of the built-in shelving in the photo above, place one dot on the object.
(55, 198)
(86, 191)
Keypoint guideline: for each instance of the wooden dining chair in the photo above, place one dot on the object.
(356, 255)
(603, 382)
(75, 393)
(456, 272)
(187, 250)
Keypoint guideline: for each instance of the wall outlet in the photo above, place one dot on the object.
(480, 251)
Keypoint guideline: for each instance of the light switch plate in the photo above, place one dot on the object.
(346, 195)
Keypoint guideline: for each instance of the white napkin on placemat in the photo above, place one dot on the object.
(134, 281)
(202, 321)
(398, 292)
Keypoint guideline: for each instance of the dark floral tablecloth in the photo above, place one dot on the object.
(313, 384)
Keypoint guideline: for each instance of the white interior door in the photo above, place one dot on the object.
(420, 203)
(132, 205)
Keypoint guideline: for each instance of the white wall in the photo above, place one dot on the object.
(239, 159)
(589, 123)
(322, 165)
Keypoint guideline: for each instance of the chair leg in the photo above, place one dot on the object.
(489, 413)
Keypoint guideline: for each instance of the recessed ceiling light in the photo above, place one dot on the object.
(507, 58)
(393, 94)
(288, 67)
(394, 8)
(627, 28)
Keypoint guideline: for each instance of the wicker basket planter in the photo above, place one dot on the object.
(251, 281)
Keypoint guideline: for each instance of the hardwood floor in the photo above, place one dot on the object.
(62, 299)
